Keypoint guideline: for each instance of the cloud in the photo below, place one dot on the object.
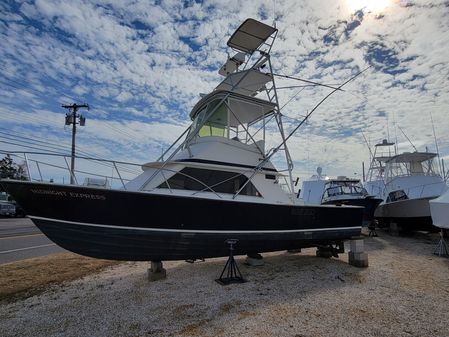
(141, 65)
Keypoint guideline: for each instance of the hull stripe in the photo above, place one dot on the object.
(172, 230)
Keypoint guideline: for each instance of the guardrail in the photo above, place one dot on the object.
(54, 168)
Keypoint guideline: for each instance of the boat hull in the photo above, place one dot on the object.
(439, 208)
(410, 214)
(140, 226)
(369, 205)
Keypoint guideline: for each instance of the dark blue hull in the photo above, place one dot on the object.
(139, 226)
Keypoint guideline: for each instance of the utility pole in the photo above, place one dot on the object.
(72, 118)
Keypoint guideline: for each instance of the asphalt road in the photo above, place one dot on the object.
(20, 240)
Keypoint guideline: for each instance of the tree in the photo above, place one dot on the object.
(8, 169)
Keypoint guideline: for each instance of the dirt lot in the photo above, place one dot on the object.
(404, 292)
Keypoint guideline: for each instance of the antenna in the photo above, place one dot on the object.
(395, 134)
(416, 150)
(436, 144)
(369, 148)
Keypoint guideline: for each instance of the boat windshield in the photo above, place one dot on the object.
(217, 124)
(231, 116)
(341, 188)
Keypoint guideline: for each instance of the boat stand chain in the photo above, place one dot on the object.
(233, 274)
(442, 248)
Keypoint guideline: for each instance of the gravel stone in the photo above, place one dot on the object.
(403, 292)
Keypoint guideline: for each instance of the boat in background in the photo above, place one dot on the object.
(375, 178)
(217, 182)
(339, 191)
(439, 210)
(347, 191)
(411, 181)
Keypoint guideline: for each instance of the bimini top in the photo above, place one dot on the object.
(250, 35)
(242, 109)
(412, 157)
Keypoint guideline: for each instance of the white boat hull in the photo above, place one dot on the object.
(439, 209)
(409, 213)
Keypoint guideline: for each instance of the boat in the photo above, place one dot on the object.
(347, 191)
(216, 183)
(339, 191)
(439, 210)
(411, 181)
(375, 178)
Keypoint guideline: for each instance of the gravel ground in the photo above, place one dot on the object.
(404, 292)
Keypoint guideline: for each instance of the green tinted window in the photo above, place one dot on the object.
(217, 123)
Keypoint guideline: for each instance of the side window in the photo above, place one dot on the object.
(397, 195)
(194, 179)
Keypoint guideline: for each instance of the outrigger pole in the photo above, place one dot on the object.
(277, 148)
(316, 107)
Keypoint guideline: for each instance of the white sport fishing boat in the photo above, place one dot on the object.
(217, 183)
(375, 178)
(410, 183)
(439, 209)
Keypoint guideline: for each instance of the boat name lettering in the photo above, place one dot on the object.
(49, 192)
(69, 194)
(87, 196)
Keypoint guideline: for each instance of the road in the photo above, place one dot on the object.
(20, 239)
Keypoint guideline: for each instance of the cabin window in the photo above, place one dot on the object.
(396, 196)
(195, 179)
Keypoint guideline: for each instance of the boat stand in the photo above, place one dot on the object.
(233, 274)
(442, 248)
(372, 228)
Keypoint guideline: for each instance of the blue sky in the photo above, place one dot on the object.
(141, 66)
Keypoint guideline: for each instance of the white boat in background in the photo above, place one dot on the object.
(410, 183)
(439, 209)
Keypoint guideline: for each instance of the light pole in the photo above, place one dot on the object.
(72, 118)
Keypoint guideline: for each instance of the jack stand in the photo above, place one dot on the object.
(442, 248)
(372, 229)
(232, 270)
